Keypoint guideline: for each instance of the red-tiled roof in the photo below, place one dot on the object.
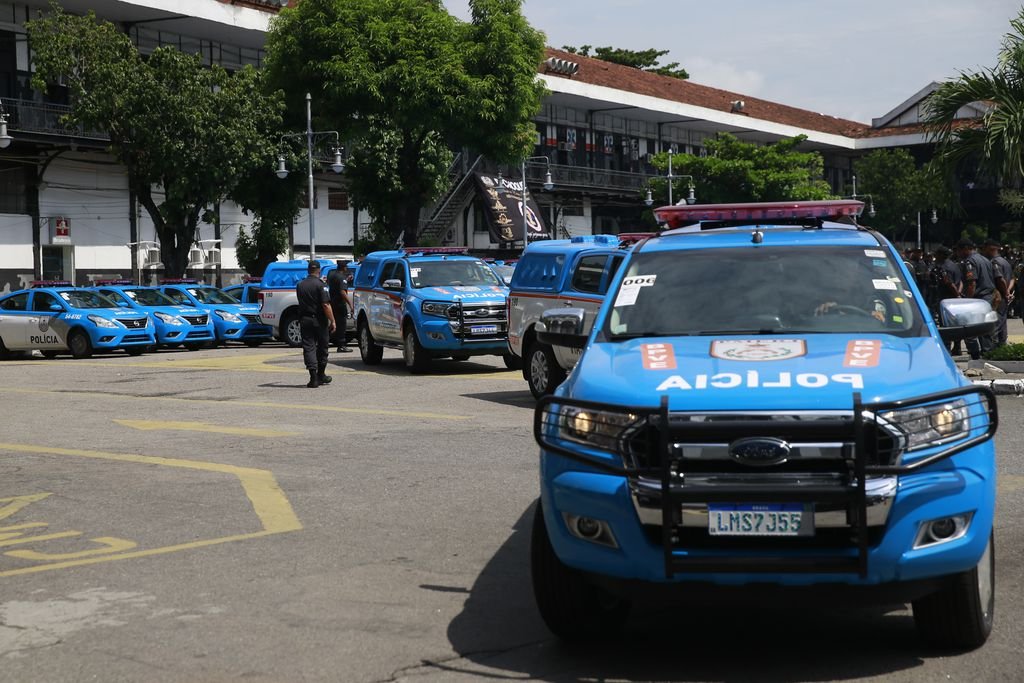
(598, 72)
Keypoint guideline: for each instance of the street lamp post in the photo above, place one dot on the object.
(691, 198)
(935, 219)
(548, 185)
(871, 201)
(338, 166)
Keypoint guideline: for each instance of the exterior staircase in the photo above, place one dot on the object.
(461, 190)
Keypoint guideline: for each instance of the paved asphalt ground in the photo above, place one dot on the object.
(204, 517)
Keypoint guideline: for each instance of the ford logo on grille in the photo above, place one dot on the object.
(482, 312)
(761, 450)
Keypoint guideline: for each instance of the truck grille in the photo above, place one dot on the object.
(195, 319)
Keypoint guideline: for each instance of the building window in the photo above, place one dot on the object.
(12, 189)
(337, 200)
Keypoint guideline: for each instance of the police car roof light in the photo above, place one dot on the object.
(179, 281)
(630, 238)
(689, 214)
(610, 240)
(251, 279)
(50, 283)
(427, 251)
(108, 283)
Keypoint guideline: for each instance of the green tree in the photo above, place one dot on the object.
(185, 133)
(996, 145)
(898, 188)
(645, 60)
(403, 82)
(737, 171)
(274, 203)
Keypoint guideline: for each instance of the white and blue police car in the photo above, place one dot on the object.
(175, 325)
(765, 407)
(232, 320)
(55, 318)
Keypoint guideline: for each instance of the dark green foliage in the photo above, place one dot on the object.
(898, 188)
(1007, 352)
(645, 60)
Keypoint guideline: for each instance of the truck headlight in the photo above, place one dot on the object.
(440, 308)
(602, 429)
(100, 321)
(931, 425)
(168, 319)
(230, 317)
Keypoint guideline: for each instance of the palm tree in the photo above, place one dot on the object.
(996, 143)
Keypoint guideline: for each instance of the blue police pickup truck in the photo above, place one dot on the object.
(430, 303)
(765, 406)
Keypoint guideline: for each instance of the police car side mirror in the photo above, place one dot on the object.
(392, 284)
(965, 318)
(507, 279)
(562, 327)
(56, 308)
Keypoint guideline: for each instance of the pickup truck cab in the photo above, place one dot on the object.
(174, 325)
(232, 320)
(430, 303)
(765, 406)
(62, 319)
(572, 273)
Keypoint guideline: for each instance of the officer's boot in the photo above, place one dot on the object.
(322, 376)
(314, 380)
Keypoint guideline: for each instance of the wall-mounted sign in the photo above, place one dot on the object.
(60, 230)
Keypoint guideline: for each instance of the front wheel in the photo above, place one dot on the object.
(369, 351)
(959, 616)
(573, 609)
(512, 361)
(291, 330)
(80, 344)
(415, 356)
(543, 372)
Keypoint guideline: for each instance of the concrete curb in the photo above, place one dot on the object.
(1003, 387)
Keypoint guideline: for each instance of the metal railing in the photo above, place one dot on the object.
(580, 177)
(28, 116)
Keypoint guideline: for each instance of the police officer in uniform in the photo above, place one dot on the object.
(337, 289)
(316, 323)
(1003, 273)
(979, 283)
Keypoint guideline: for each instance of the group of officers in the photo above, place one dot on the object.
(966, 271)
(322, 315)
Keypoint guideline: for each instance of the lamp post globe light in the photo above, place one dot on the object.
(691, 197)
(337, 166)
(871, 202)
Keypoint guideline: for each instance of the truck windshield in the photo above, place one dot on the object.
(451, 274)
(764, 290)
(148, 297)
(211, 295)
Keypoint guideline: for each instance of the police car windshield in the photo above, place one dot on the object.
(451, 273)
(763, 290)
(148, 297)
(84, 299)
(211, 295)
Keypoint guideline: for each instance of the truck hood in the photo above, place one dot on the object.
(476, 294)
(818, 372)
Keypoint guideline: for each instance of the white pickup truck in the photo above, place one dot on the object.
(278, 305)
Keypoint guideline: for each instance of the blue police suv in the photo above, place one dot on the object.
(764, 406)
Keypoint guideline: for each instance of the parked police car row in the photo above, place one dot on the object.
(56, 318)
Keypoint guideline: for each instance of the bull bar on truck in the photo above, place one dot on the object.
(620, 440)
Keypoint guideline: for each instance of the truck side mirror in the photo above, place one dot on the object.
(392, 284)
(965, 318)
(562, 327)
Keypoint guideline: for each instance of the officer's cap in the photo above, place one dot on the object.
(965, 243)
(313, 267)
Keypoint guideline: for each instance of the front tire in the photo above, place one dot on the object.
(80, 344)
(415, 356)
(573, 609)
(959, 616)
(291, 330)
(369, 351)
(512, 361)
(543, 372)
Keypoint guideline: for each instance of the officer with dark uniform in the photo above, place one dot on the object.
(337, 289)
(947, 281)
(1003, 273)
(979, 283)
(316, 323)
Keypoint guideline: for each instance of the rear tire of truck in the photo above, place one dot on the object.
(573, 609)
(369, 351)
(415, 356)
(959, 616)
(80, 344)
(512, 361)
(291, 332)
(543, 373)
